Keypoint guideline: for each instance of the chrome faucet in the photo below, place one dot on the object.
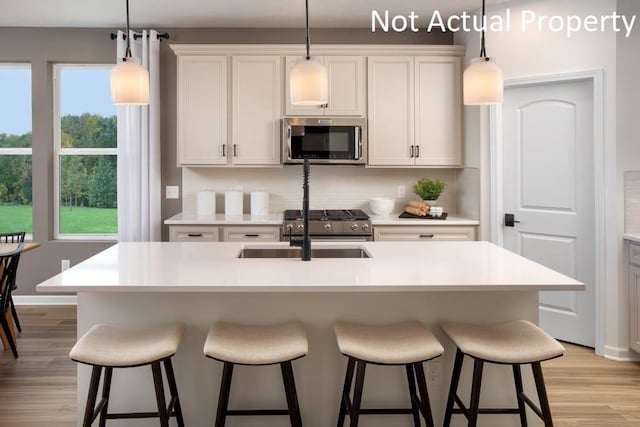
(305, 243)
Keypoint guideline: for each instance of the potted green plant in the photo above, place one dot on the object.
(429, 190)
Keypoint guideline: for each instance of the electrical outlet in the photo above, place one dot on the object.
(65, 264)
(401, 191)
(172, 192)
(434, 372)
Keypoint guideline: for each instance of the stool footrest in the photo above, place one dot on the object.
(386, 411)
(122, 416)
(532, 405)
(251, 412)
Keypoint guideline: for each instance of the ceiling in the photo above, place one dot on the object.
(218, 13)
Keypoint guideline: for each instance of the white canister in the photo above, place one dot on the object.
(233, 202)
(259, 203)
(206, 203)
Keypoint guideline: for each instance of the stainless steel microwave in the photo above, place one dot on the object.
(331, 140)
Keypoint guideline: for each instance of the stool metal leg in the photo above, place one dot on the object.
(159, 386)
(453, 389)
(348, 379)
(476, 383)
(354, 414)
(290, 391)
(425, 404)
(412, 395)
(223, 399)
(91, 397)
(171, 378)
(517, 378)
(106, 390)
(542, 394)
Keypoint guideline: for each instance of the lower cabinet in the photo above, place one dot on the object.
(234, 233)
(426, 233)
(634, 297)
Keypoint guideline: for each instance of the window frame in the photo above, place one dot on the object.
(15, 151)
(59, 151)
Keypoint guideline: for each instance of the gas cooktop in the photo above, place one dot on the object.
(327, 215)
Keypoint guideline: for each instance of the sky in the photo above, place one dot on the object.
(82, 90)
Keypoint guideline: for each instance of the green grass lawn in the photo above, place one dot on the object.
(72, 220)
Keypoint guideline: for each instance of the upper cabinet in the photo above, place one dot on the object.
(347, 87)
(415, 110)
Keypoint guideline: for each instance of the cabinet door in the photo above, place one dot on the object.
(202, 110)
(256, 99)
(426, 233)
(251, 234)
(390, 110)
(193, 233)
(298, 110)
(346, 85)
(438, 111)
(634, 306)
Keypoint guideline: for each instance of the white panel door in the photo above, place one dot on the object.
(391, 110)
(549, 187)
(347, 85)
(256, 110)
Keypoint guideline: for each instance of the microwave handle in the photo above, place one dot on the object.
(358, 144)
(288, 142)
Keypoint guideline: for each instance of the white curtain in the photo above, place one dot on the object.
(139, 188)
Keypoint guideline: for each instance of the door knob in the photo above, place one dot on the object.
(510, 220)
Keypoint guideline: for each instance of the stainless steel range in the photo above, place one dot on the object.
(329, 224)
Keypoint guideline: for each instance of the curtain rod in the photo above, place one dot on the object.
(136, 36)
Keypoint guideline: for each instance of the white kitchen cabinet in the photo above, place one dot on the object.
(347, 87)
(634, 296)
(424, 233)
(256, 110)
(193, 233)
(202, 110)
(415, 110)
(251, 234)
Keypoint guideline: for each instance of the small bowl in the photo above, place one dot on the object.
(381, 206)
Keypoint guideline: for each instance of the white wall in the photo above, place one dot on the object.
(536, 54)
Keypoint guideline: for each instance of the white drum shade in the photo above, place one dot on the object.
(309, 83)
(130, 83)
(483, 82)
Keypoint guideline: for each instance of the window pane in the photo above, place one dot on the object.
(15, 194)
(87, 116)
(88, 195)
(15, 106)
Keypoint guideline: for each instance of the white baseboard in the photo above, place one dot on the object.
(620, 354)
(45, 299)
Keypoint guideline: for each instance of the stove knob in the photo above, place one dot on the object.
(365, 227)
(289, 227)
(327, 227)
(300, 227)
(354, 227)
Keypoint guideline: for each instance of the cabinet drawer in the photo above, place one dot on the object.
(251, 234)
(192, 233)
(417, 233)
(634, 254)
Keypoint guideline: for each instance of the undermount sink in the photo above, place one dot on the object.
(284, 252)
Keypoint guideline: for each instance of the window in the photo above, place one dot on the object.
(85, 138)
(16, 213)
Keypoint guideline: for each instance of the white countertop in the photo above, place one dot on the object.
(276, 219)
(632, 237)
(393, 267)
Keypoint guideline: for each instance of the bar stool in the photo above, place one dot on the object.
(512, 343)
(109, 347)
(235, 344)
(407, 343)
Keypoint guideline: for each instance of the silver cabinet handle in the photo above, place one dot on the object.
(411, 151)
(235, 150)
(194, 234)
(417, 151)
(224, 150)
(426, 236)
(251, 235)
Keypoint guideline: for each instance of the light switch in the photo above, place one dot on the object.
(401, 192)
(172, 192)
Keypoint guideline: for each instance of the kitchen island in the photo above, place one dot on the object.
(138, 284)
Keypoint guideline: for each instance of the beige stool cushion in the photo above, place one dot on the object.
(395, 344)
(514, 342)
(106, 345)
(256, 345)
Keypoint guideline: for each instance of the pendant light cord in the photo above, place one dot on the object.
(483, 49)
(127, 53)
(307, 20)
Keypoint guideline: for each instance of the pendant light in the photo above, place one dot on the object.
(308, 79)
(129, 79)
(483, 83)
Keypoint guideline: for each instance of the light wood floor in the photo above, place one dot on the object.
(39, 388)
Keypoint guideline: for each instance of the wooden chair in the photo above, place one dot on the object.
(8, 268)
(17, 237)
